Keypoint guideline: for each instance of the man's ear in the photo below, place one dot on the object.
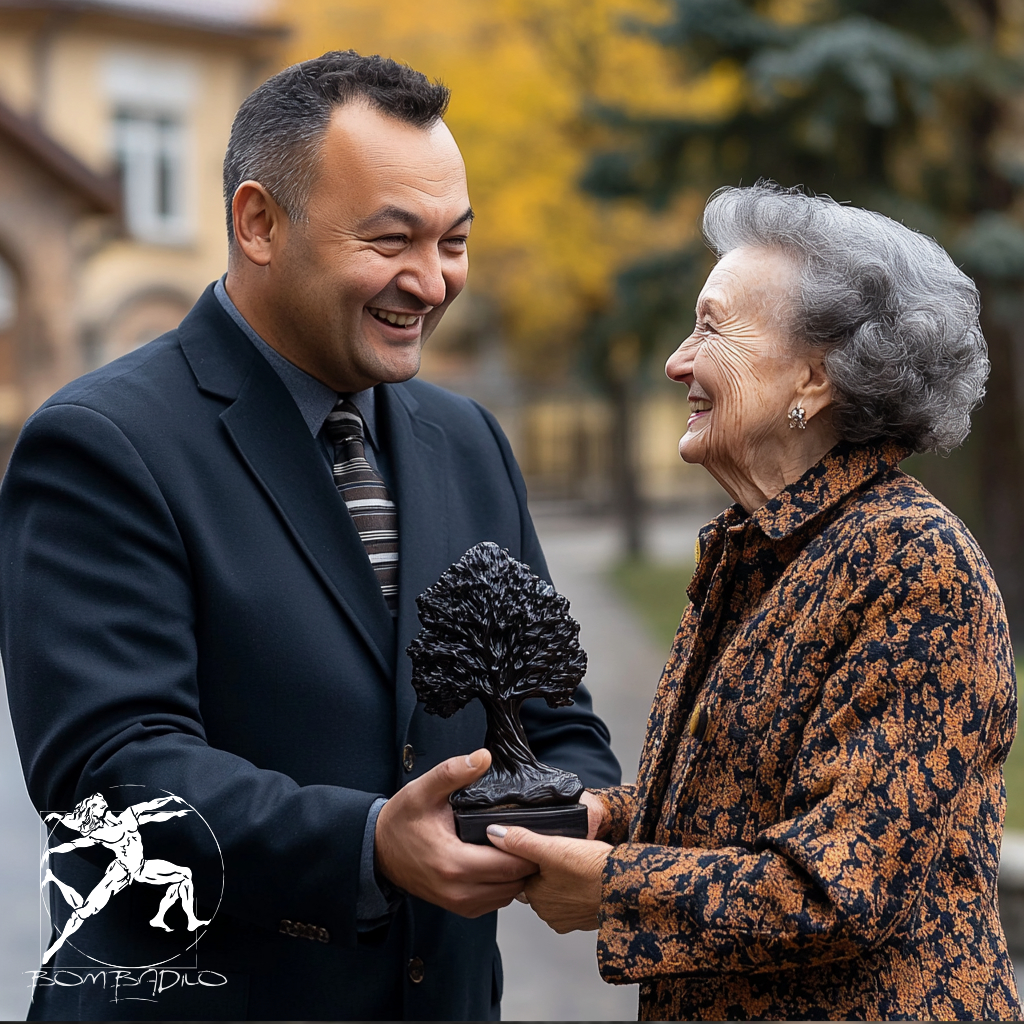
(259, 222)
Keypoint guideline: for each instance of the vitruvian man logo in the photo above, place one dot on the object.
(97, 825)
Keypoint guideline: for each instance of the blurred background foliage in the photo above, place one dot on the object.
(524, 75)
(594, 130)
(912, 109)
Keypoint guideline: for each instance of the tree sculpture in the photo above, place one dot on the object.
(495, 632)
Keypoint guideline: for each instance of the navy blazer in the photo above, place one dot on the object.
(188, 608)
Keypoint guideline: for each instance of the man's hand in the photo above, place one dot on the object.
(416, 847)
(566, 894)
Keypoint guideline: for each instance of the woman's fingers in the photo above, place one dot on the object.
(531, 846)
(567, 891)
(595, 814)
(488, 865)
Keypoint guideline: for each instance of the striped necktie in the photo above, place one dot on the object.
(368, 501)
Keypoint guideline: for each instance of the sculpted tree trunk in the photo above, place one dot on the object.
(506, 738)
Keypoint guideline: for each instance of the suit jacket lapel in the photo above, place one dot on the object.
(420, 458)
(271, 438)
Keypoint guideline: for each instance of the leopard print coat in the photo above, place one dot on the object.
(815, 828)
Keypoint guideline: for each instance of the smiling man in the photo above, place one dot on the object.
(210, 552)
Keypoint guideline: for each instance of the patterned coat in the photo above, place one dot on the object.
(815, 827)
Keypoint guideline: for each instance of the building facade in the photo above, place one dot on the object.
(113, 124)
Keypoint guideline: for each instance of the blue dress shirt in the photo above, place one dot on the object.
(315, 401)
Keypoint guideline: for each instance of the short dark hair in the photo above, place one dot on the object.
(278, 129)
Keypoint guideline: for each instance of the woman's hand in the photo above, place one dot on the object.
(567, 892)
(595, 814)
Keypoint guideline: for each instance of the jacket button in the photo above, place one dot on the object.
(415, 970)
(698, 724)
(408, 758)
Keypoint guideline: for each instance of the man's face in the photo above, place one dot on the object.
(359, 288)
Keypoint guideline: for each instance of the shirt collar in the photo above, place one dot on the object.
(314, 398)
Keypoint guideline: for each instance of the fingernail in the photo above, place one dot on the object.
(497, 830)
(470, 763)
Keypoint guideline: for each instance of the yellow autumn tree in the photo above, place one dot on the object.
(523, 75)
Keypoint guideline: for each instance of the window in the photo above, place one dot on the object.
(150, 149)
(151, 97)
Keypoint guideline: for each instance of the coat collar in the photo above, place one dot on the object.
(843, 470)
(422, 471)
(219, 354)
(802, 505)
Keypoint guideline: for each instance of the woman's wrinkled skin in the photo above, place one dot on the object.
(745, 372)
(742, 362)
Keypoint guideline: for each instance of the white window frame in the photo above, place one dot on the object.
(151, 100)
(152, 151)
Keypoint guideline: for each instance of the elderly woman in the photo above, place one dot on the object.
(815, 827)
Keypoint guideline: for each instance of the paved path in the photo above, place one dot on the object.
(549, 976)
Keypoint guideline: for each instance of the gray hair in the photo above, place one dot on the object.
(276, 134)
(897, 319)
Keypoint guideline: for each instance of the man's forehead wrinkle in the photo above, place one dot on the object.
(391, 212)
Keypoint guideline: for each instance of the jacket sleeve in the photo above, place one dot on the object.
(98, 641)
(572, 738)
(619, 803)
(920, 696)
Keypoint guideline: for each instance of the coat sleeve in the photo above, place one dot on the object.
(98, 641)
(920, 696)
(619, 803)
(572, 738)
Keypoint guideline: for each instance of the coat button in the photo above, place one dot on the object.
(698, 724)
(408, 757)
(415, 970)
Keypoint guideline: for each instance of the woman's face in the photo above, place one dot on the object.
(741, 368)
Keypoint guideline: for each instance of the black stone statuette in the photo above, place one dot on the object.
(494, 631)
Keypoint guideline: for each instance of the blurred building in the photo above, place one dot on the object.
(114, 116)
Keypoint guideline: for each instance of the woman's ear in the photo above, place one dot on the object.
(258, 222)
(814, 389)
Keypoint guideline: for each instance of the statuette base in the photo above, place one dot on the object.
(570, 821)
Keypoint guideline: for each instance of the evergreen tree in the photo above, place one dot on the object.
(909, 108)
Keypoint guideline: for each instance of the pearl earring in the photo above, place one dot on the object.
(797, 418)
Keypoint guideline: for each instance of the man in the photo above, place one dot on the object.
(205, 589)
